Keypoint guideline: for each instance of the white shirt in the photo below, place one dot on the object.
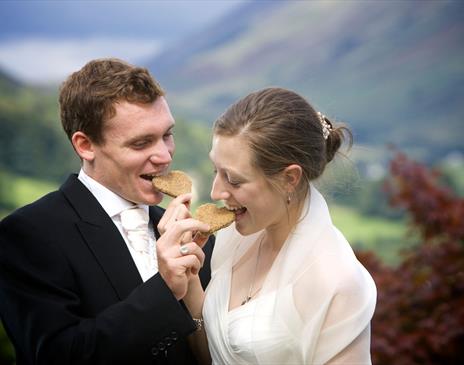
(113, 205)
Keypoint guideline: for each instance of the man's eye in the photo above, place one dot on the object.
(139, 144)
(168, 135)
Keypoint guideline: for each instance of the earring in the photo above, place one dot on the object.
(289, 198)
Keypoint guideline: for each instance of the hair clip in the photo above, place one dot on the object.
(326, 127)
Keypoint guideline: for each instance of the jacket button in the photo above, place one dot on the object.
(174, 336)
(168, 341)
(161, 346)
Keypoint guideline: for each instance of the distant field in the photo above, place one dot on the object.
(385, 237)
(16, 191)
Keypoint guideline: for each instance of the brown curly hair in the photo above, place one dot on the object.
(87, 96)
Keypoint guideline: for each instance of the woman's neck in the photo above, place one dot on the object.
(277, 234)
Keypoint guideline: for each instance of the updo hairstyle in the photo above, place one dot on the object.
(282, 128)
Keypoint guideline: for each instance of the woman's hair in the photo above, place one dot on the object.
(88, 96)
(282, 128)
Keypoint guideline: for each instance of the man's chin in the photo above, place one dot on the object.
(154, 199)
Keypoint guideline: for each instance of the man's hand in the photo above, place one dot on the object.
(179, 257)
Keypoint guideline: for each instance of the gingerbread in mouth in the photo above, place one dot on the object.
(175, 183)
(178, 182)
(217, 218)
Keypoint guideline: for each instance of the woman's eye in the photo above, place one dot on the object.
(233, 183)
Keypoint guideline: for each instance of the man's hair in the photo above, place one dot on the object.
(87, 96)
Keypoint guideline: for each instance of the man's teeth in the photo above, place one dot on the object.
(148, 176)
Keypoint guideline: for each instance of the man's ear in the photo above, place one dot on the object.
(292, 176)
(83, 146)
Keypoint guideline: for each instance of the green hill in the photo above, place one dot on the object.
(393, 70)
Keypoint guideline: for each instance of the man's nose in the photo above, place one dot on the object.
(161, 154)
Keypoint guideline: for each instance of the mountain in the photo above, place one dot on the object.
(392, 70)
(8, 84)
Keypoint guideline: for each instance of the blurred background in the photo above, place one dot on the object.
(392, 70)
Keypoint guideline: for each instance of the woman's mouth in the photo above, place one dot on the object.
(239, 211)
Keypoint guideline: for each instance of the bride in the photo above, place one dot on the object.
(286, 287)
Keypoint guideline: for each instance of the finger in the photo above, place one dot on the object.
(181, 212)
(178, 228)
(166, 250)
(186, 237)
(192, 249)
(184, 250)
(184, 198)
(189, 263)
(171, 210)
(175, 214)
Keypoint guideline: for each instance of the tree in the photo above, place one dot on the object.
(419, 317)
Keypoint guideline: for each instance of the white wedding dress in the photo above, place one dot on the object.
(315, 306)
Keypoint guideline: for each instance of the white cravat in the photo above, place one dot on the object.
(134, 222)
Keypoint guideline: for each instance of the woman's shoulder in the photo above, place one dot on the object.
(334, 268)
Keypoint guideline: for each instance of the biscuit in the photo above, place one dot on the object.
(173, 184)
(217, 218)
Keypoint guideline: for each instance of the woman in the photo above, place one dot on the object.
(286, 287)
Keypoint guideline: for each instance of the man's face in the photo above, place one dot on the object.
(138, 144)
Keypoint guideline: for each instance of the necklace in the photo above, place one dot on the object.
(250, 289)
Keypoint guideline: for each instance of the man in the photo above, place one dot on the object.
(77, 286)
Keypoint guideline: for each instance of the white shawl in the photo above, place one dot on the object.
(319, 293)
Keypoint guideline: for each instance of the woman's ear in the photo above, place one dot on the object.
(83, 146)
(292, 177)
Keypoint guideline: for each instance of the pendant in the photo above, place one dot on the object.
(247, 299)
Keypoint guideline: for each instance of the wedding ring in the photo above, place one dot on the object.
(184, 250)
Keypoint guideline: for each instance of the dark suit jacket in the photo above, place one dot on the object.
(70, 292)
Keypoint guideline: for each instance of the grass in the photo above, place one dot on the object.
(383, 236)
(16, 191)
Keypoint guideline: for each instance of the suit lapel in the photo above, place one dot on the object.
(155, 215)
(103, 238)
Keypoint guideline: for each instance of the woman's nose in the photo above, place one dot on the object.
(218, 192)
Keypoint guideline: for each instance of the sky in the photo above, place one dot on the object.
(44, 41)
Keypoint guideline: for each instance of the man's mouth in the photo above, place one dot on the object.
(148, 177)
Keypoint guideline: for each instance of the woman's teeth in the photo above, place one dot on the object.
(237, 210)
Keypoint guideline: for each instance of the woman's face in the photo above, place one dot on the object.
(244, 188)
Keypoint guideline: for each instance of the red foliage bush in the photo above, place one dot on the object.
(419, 317)
(434, 209)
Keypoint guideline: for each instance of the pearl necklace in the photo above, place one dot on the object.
(250, 289)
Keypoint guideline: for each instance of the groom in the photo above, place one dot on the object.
(80, 282)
